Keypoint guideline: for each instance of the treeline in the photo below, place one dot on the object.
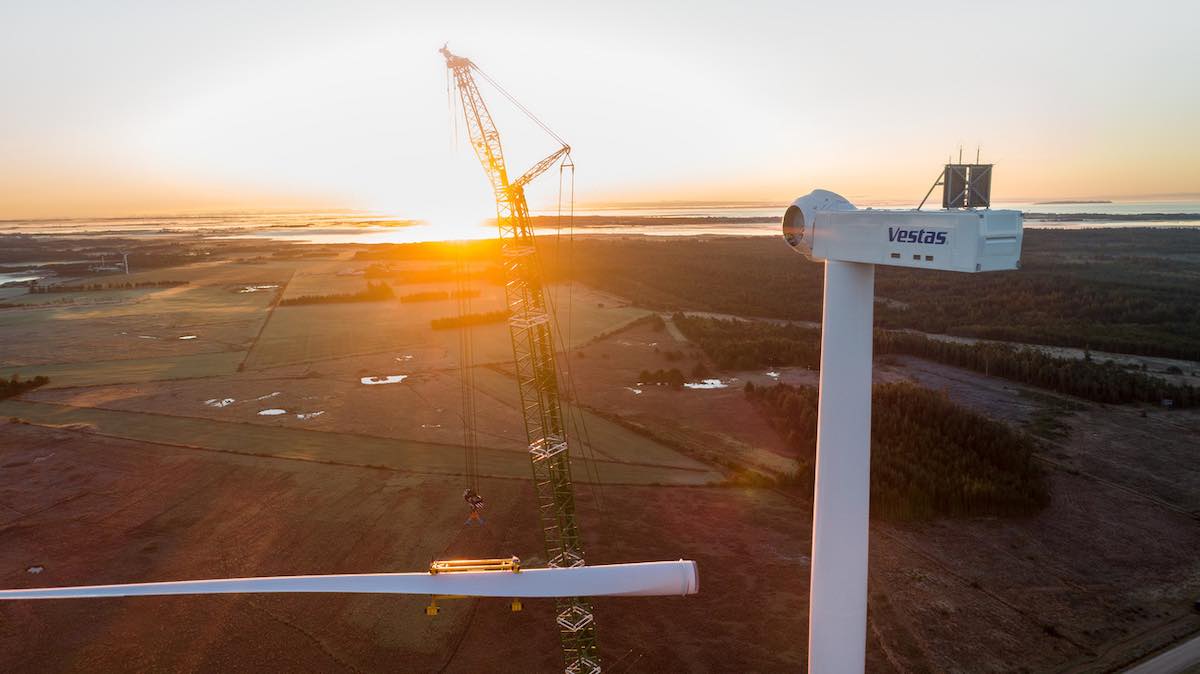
(746, 345)
(647, 222)
(1120, 290)
(929, 457)
(74, 255)
(374, 292)
(673, 377)
(86, 287)
(1103, 382)
(487, 250)
(14, 385)
(441, 274)
(468, 320)
(1113, 217)
(436, 295)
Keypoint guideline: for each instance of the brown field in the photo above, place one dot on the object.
(120, 471)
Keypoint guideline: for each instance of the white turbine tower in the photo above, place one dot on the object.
(825, 226)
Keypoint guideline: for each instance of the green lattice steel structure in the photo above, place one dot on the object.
(533, 353)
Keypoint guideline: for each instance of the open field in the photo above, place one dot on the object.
(88, 338)
(424, 408)
(1106, 573)
(1046, 592)
(149, 459)
(313, 333)
(93, 373)
(145, 323)
(1109, 569)
(329, 447)
(718, 425)
(97, 509)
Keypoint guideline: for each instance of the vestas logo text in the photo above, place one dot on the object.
(916, 236)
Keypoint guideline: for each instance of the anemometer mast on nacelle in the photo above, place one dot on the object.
(826, 227)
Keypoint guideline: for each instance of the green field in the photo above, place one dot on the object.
(128, 371)
(609, 439)
(344, 448)
(310, 333)
(82, 297)
(136, 325)
(132, 337)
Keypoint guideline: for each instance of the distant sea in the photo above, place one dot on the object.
(367, 228)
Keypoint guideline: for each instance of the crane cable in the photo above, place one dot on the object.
(520, 107)
(466, 345)
(466, 364)
(574, 412)
(577, 420)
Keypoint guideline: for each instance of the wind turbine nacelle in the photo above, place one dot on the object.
(826, 226)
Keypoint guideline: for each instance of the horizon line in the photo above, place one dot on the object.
(594, 205)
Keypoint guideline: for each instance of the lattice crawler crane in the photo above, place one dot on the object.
(531, 331)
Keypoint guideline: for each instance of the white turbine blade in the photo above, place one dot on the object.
(645, 579)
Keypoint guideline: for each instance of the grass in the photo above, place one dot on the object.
(95, 373)
(1046, 421)
(323, 447)
(610, 440)
(309, 333)
(83, 297)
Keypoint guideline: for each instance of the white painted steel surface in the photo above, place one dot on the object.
(825, 226)
(645, 579)
(837, 623)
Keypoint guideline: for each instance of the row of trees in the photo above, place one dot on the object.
(439, 274)
(1104, 382)
(673, 377)
(374, 292)
(14, 385)
(84, 287)
(468, 320)
(436, 295)
(745, 345)
(929, 457)
(485, 250)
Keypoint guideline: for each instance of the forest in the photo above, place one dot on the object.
(1131, 290)
(374, 292)
(1102, 382)
(929, 457)
(744, 345)
(14, 385)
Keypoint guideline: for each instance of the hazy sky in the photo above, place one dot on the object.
(121, 107)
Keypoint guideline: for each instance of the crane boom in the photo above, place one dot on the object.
(533, 354)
